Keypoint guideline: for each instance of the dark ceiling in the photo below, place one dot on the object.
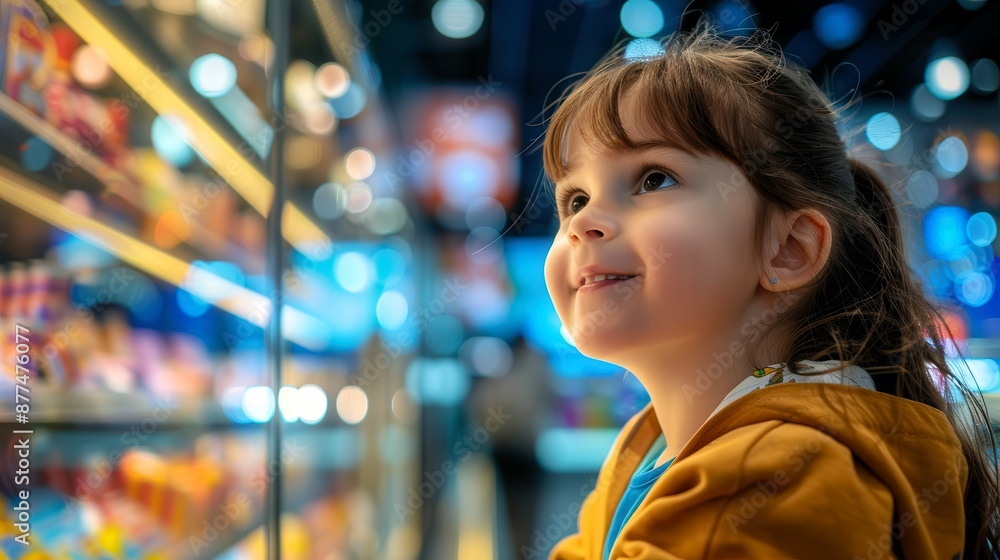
(530, 45)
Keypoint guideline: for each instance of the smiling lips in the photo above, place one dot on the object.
(591, 275)
(602, 277)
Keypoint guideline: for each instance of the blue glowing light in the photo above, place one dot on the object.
(36, 155)
(642, 18)
(390, 266)
(638, 49)
(947, 77)
(169, 144)
(926, 106)
(944, 231)
(457, 19)
(258, 403)
(838, 25)
(574, 449)
(351, 103)
(391, 310)
(982, 229)
(190, 304)
(974, 289)
(437, 381)
(952, 155)
(352, 271)
(883, 131)
(212, 75)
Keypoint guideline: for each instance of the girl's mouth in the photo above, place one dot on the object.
(604, 283)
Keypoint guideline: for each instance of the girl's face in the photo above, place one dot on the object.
(680, 224)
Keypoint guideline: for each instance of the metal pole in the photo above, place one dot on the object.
(278, 24)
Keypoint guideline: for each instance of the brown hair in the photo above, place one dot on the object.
(738, 99)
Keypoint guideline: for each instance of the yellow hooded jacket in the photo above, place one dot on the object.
(799, 470)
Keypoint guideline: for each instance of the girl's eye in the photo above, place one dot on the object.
(572, 201)
(653, 179)
(650, 178)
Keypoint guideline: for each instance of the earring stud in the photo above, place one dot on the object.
(774, 280)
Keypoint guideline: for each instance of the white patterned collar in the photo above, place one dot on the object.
(778, 373)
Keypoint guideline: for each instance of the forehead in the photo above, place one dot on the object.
(586, 139)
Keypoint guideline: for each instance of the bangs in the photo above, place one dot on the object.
(678, 102)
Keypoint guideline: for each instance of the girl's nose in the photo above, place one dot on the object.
(590, 224)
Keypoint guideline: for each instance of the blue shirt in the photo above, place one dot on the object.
(642, 481)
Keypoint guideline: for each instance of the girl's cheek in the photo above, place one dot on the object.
(555, 264)
(670, 244)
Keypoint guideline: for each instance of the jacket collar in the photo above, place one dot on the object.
(644, 428)
(779, 373)
(909, 447)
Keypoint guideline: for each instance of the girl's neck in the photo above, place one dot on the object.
(683, 398)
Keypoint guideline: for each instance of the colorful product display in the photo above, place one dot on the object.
(28, 53)
(95, 346)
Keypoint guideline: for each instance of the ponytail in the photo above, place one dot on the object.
(982, 493)
(874, 197)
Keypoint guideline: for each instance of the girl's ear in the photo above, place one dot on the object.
(803, 247)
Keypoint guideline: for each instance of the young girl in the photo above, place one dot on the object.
(717, 240)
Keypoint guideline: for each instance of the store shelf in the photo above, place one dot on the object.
(208, 134)
(104, 407)
(226, 541)
(72, 148)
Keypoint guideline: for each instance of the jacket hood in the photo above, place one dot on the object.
(816, 372)
(911, 448)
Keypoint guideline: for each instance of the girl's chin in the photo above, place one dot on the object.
(600, 343)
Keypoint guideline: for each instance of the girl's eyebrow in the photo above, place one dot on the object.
(573, 165)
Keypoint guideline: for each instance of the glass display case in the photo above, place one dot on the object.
(146, 418)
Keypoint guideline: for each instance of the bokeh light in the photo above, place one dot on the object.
(36, 154)
(638, 49)
(351, 103)
(288, 403)
(487, 355)
(212, 75)
(457, 19)
(641, 18)
(352, 404)
(258, 404)
(312, 403)
(359, 197)
(332, 80)
(951, 156)
(352, 271)
(974, 289)
(391, 310)
(981, 229)
(90, 67)
(387, 216)
(360, 163)
(925, 105)
(883, 131)
(922, 188)
(838, 25)
(168, 137)
(319, 118)
(947, 77)
(944, 231)
(329, 201)
(441, 381)
(985, 76)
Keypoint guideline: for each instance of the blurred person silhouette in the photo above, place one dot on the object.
(521, 397)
